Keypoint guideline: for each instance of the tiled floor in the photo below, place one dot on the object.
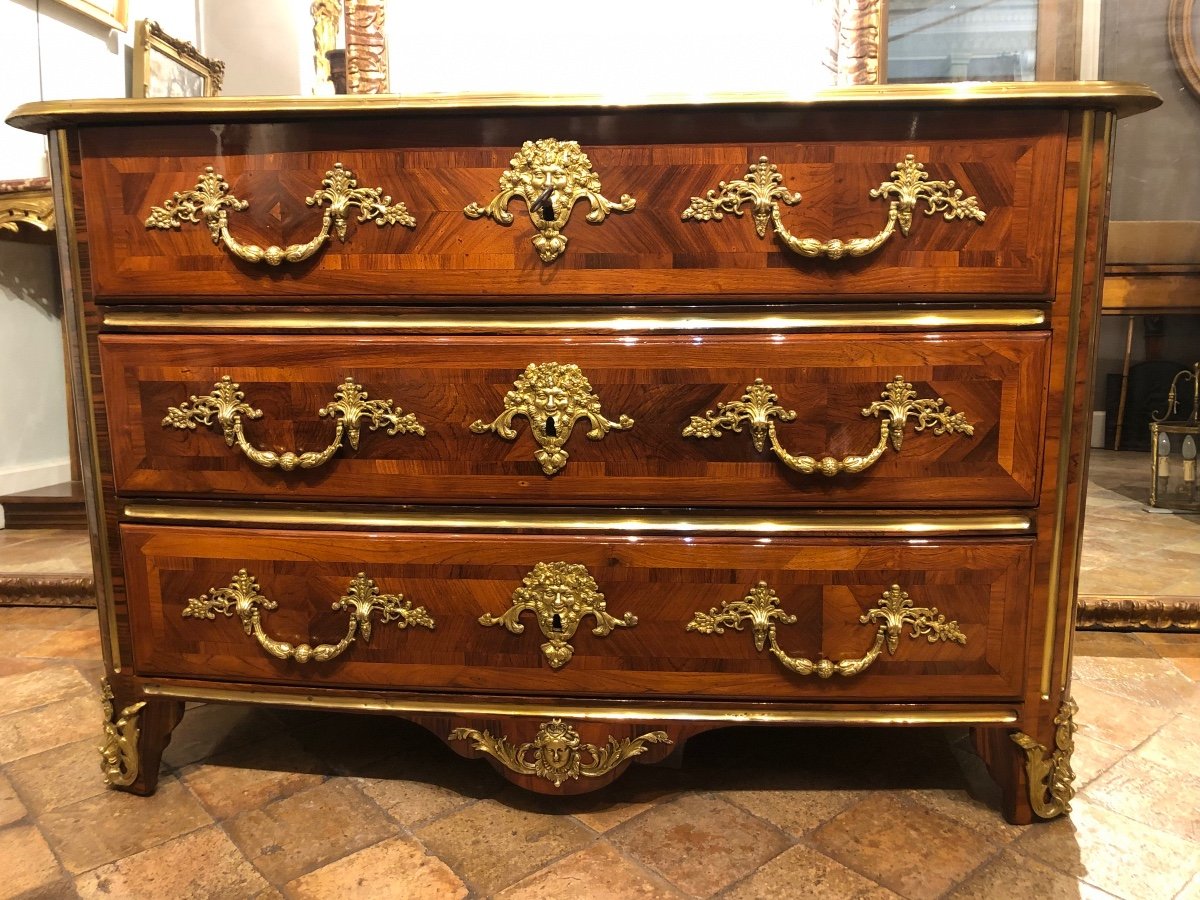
(258, 803)
(1128, 551)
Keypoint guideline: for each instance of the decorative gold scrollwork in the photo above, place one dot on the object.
(895, 611)
(362, 599)
(557, 752)
(227, 403)
(758, 408)
(1049, 773)
(560, 594)
(553, 398)
(119, 753)
(764, 190)
(551, 176)
(210, 199)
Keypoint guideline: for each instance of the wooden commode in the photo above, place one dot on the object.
(570, 430)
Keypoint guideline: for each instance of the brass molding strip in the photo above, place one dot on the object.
(590, 521)
(81, 387)
(983, 715)
(1124, 98)
(472, 322)
(1086, 139)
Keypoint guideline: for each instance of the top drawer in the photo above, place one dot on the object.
(437, 166)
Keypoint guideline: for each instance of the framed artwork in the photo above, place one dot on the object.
(1183, 32)
(113, 13)
(164, 66)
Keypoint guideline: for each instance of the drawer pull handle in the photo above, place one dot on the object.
(362, 599)
(559, 594)
(759, 408)
(551, 176)
(227, 404)
(210, 199)
(556, 752)
(764, 190)
(553, 398)
(895, 611)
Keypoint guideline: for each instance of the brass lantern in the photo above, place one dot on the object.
(1173, 449)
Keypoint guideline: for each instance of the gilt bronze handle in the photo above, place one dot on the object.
(764, 190)
(758, 408)
(553, 398)
(761, 607)
(227, 404)
(210, 199)
(362, 599)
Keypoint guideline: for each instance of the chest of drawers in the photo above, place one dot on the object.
(505, 417)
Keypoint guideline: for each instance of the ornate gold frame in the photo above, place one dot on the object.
(151, 38)
(1183, 47)
(366, 47)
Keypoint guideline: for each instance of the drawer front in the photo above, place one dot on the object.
(437, 166)
(639, 420)
(631, 601)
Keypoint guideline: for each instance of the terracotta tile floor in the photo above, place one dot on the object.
(1128, 551)
(259, 803)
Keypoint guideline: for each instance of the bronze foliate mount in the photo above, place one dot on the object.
(557, 752)
(553, 398)
(895, 610)
(362, 599)
(1051, 778)
(210, 201)
(763, 189)
(551, 176)
(560, 595)
(226, 407)
(759, 408)
(119, 760)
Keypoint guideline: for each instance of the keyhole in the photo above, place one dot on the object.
(551, 428)
(556, 623)
(548, 210)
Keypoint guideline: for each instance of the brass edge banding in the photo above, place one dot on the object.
(482, 322)
(85, 419)
(600, 520)
(983, 715)
(1124, 98)
(1086, 139)
(1108, 140)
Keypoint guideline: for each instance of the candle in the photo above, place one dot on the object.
(1164, 451)
(1189, 464)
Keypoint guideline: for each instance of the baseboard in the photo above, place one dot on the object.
(14, 479)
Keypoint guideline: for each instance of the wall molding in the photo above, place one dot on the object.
(14, 479)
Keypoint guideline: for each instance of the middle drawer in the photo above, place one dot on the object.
(681, 420)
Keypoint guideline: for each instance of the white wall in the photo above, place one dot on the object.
(49, 52)
(266, 45)
(622, 49)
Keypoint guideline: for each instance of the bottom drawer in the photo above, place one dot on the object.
(665, 616)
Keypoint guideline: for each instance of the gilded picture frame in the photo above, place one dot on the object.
(165, 66)
(113, 13)
(1182, 35)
